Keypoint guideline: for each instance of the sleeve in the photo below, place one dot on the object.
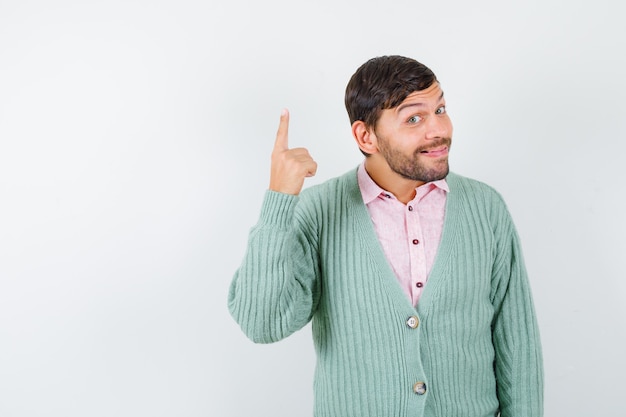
(275, 291)
(518, 357)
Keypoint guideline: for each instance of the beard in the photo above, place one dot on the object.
(416, 167)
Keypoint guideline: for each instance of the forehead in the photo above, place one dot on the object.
(432, 94)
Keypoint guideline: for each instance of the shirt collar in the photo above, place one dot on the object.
(370, 190)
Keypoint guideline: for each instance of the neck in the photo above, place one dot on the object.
(385, 178)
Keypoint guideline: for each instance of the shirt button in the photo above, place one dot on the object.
(413, 322)
(410, 208)
(419, 284)
(419, 388)
(415, 241)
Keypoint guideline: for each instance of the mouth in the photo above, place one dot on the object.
(435, 152)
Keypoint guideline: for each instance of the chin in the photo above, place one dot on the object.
(431, 175)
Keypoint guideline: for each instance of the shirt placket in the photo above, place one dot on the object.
(417, 254)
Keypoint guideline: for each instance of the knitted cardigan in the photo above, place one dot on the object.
(471, 346)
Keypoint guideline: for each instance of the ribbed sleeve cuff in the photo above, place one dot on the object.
(277, 209)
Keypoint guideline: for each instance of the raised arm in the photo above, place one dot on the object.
(275, 290)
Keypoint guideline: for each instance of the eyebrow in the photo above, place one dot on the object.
(420, 104)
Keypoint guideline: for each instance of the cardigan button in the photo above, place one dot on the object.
(419, 388)
(413, 322)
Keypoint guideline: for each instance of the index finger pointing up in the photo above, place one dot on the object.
(282, 142)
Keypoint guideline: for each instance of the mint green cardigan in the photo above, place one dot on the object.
(472, 346)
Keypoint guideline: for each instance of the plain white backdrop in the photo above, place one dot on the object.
(134, 154)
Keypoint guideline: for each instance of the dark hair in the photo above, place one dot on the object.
(383, 83)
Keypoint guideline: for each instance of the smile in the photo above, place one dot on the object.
(435, 153)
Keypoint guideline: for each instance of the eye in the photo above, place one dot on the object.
(414, 119)
(441, 110)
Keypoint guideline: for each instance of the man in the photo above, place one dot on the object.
(413, 276)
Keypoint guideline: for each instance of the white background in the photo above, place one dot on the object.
(134, 153)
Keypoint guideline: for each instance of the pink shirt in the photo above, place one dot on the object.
(409, 234)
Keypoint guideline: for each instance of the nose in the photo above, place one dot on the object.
(439, 126)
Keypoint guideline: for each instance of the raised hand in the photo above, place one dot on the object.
(289, 166)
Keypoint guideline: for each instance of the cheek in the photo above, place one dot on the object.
(449, 127)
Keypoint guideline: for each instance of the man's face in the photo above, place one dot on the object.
(414, 138)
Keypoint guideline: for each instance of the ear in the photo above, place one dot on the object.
(364, 137)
